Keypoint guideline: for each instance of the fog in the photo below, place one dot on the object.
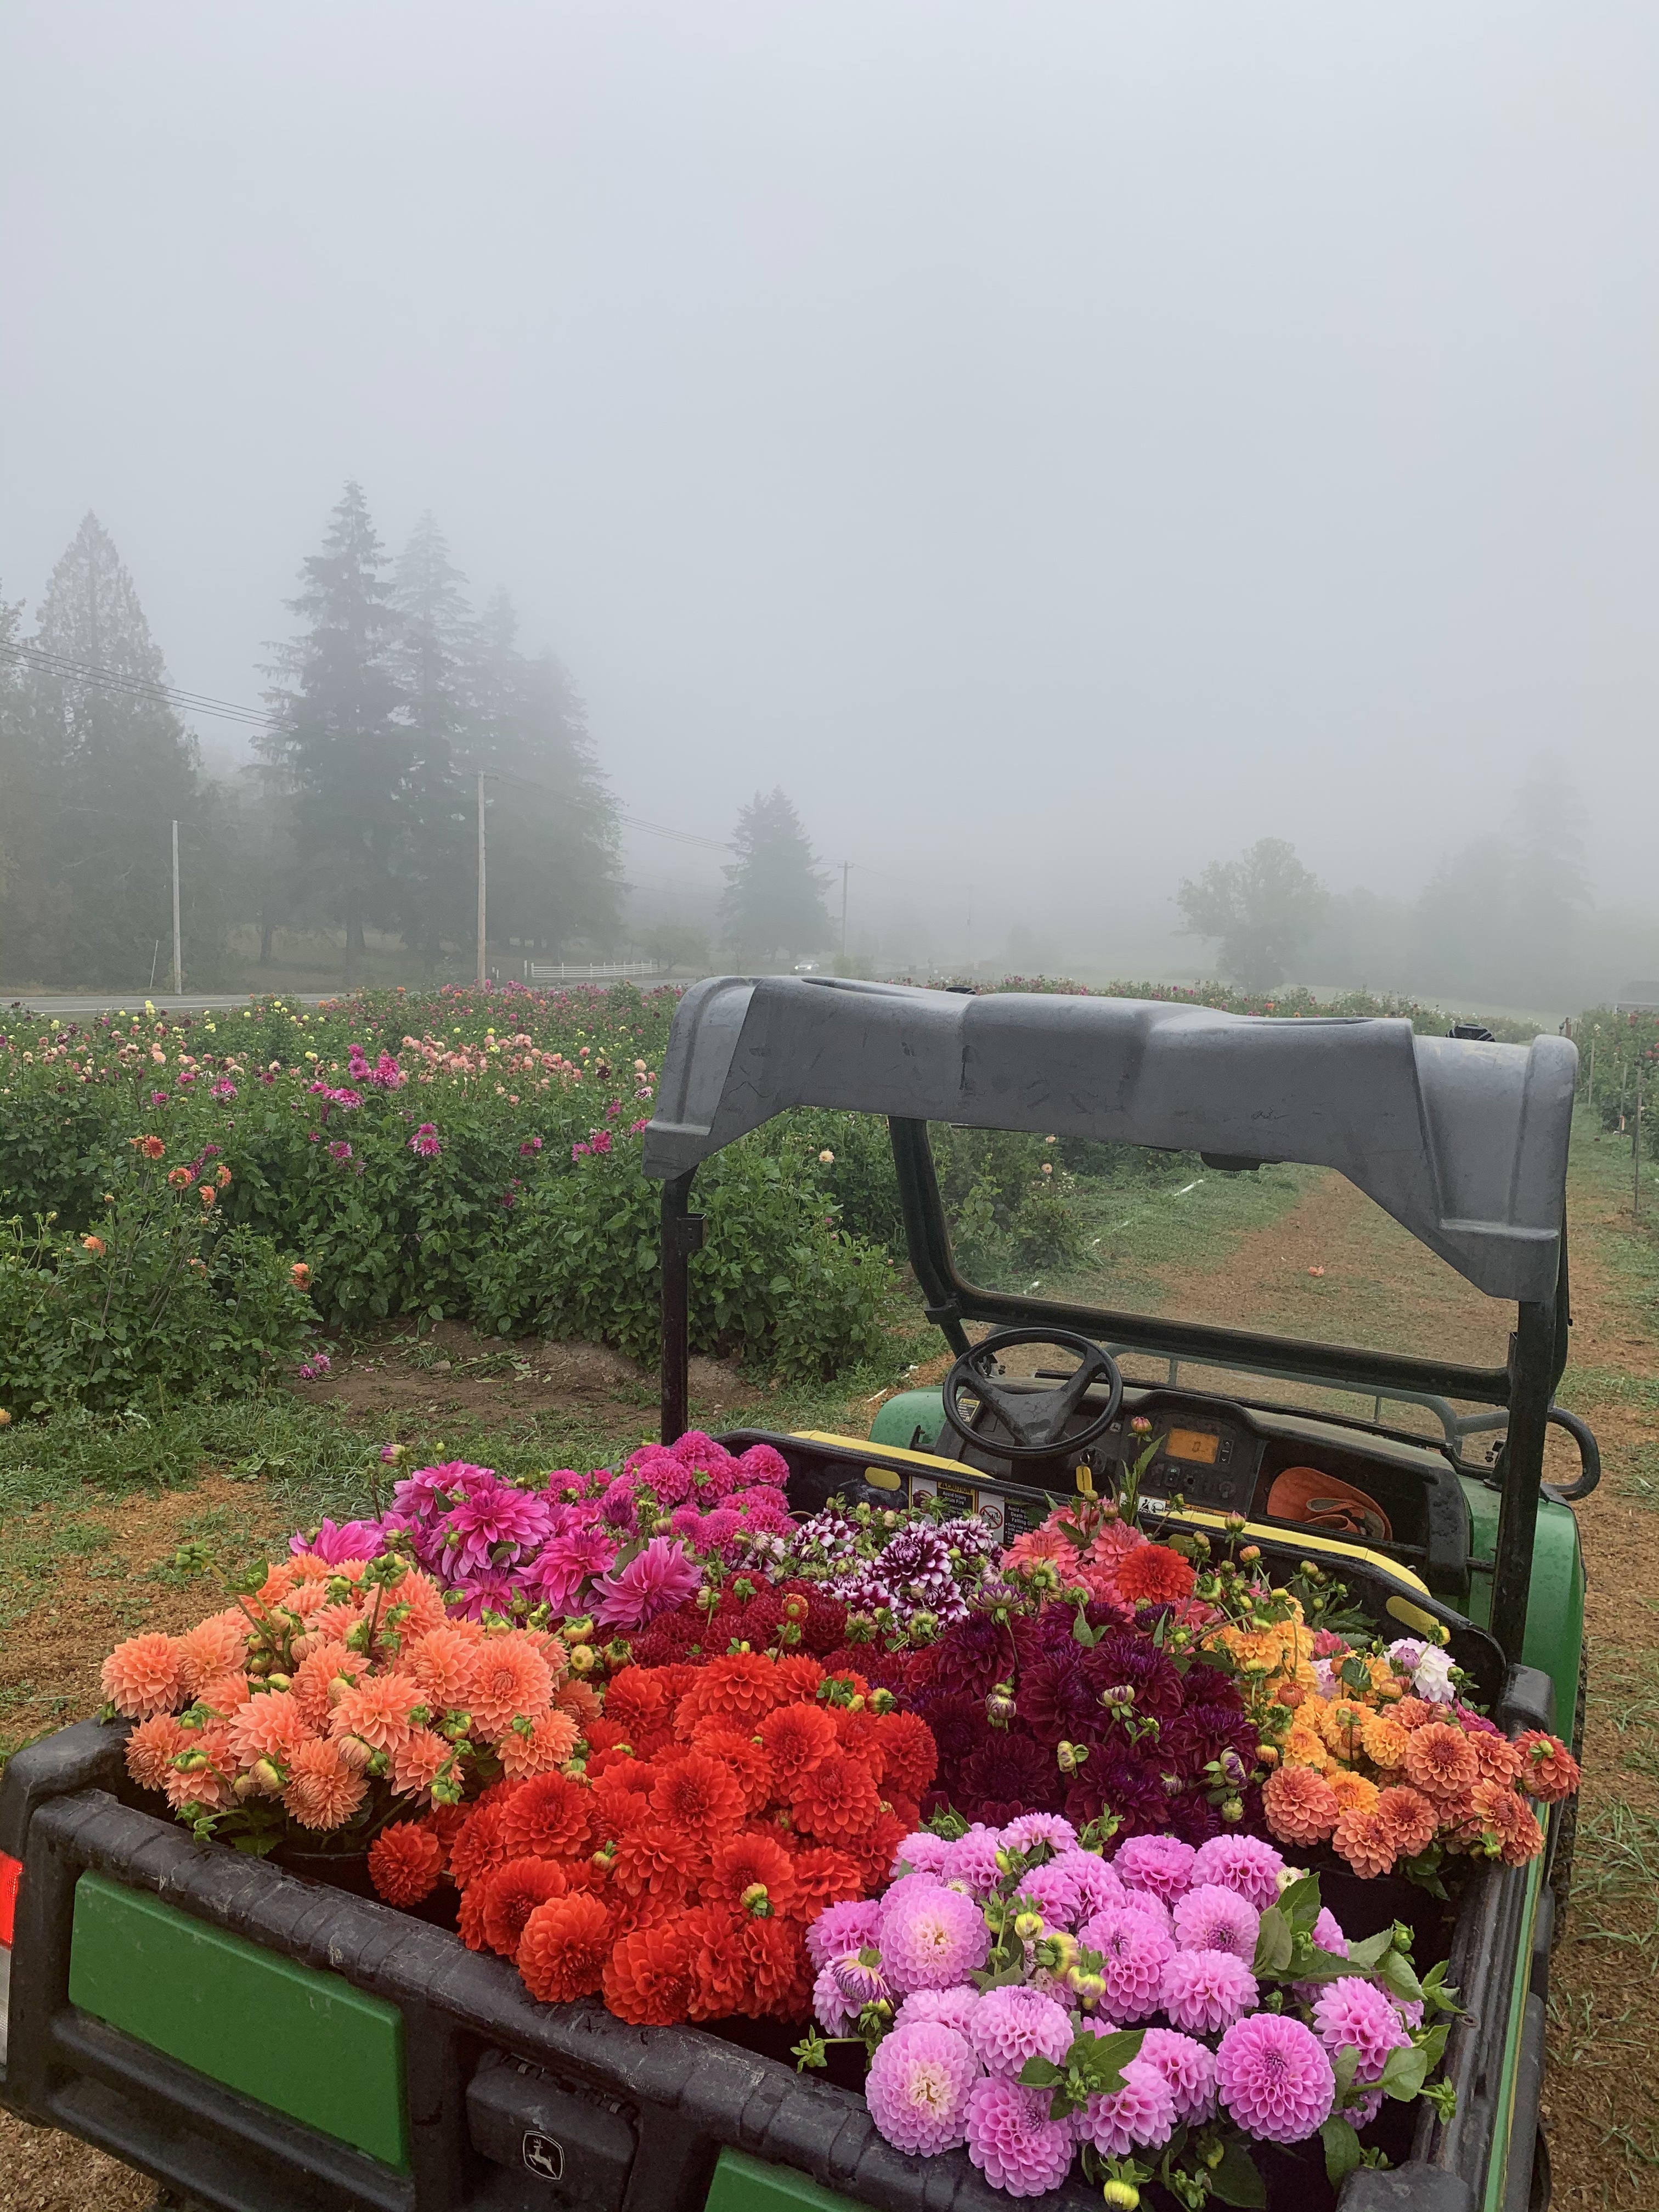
(1058, 446)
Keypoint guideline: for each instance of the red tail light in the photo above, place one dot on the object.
(11, 1873)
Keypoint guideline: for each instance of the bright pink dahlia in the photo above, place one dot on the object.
(1135, 1951)
(918, 2087)
(1274, 2077)
(1211, 1918)
(973, 1858)
(1244, 1863)
(1189, 2067)
(1097, 1886)
(1203, 1991)
(564, 1566)
(654, 1581)
(931, 1939)
(1355, 2013)
(1138, 2116)
(1162, 1864)
(841, 1928)
(1015, 2023)
(1014, 2142)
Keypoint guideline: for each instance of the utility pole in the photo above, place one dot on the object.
(481, 877)
(178, 961)
(845, 865)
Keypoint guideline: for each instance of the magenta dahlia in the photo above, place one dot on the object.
(1274, 2077)
(1138, 2116)
(1012, 2140)
(1204, 1990)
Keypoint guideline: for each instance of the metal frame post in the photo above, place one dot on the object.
(682, 1236)
(1532, 1383)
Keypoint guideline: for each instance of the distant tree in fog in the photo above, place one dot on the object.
(1263, 906)
(94, 775)
(342, 745)
(774, 900)
(434, 652)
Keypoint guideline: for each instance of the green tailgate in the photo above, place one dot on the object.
(742, 2184)
(304, 2042)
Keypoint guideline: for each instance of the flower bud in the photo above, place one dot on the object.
(1232, 1808)
(1121, 2196)
(755, 1900)
(278, 1681)
(1028, 1926)
(583, 1659)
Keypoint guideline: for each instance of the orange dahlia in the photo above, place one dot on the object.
(648, 1976)
(548, 1743)
(577, 1699)
(1440, 1761)
(1301, 1806)
(322, 1791)
(510, 1678)
(376, 1711)
(419, 1761)
(1361, 1839)
(562, 1951)
(1408, 1819)
(797, 1739)
(418, 1607)
(512, 1895)
(1499, 1760)
(144, 1676)
(1354, 1793)
(1384, 1740)
(443, 1662)
(316, 1672)
(271, 1725)
(151, 1748)
(217, 1646)
(547, 1817)
(837, 1800)
(404, 1861)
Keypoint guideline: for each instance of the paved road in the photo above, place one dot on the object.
(87, 1004)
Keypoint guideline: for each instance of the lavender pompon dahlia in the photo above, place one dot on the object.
(1138, 2117)
(918, 2087)
(1354, 2013)
(1135, 1951)
(930, 1940)
(1203, 1991)
(1050, 1828)
(1274, 2077)
(829, 2005)
(1162, 1864)
(1012, 2140)
(1244, 1863)
(1211, 1918)
(1188, 2066)
(950, 2008)
(1015, 2023)
(841, 1928)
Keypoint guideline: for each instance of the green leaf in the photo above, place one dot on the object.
(1300, 1903)
(1396, 1973)
(1362, 1958)
(1403, 2077)
(1341, 2150)
(1343, 2067)
(1273, 1945)
(1041, 2074)
(1323, 1966)
(1236, 2180)
(1100, 2059)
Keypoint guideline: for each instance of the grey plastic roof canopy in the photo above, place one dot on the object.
(1464, 1143)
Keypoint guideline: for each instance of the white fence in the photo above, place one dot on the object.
(566, 971)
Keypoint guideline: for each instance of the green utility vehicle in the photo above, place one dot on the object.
(260, 2043)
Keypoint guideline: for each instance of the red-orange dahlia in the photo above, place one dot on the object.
(752, 1860)
(1546, 1768)
(797, 1740)
(837, 1800)
(547, 1818)
(470, 1918)
(912, 1754)
(738, 1692)
(1154, 1574)
(699, 1795)
(652, 1856)
(798, 1676)
(636, 1702)
(779, 1974)
(648, 1978)
(823, 1877)
(562, 1952)
(404, 1861)
(477, 1850)
(512, 1895)
(860, 1732)
(746, 1761)
(720, 1979)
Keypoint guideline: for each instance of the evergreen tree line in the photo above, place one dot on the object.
(360, 809)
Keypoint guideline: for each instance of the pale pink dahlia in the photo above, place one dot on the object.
(1274, 2077)
(918, 2087)
(1244, 1863)
(1189, 2067)
(1138, 2116)
(1211, 1918)
(1203, 1991)
(1135, 1951)
(1012, 2140)
(931, 1940)
(1015, 2023)
(1162, 1864)
(950, 2008)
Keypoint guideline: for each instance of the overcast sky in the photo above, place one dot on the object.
(1059, 443)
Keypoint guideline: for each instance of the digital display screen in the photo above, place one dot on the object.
(1199, 1445)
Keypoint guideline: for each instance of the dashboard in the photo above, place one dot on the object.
(1209, 1454)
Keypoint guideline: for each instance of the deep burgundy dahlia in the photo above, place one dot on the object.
(971, 1656)
(1008, 1775)
(959, 1727)
(1056, 1700)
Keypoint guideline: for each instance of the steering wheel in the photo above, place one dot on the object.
(1035, 1419)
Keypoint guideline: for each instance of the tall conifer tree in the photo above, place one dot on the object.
(435, 656)
(774, 901)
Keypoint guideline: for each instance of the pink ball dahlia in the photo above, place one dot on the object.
(1135, 1951)
(1274, 2077)
(1211, 1918)
(949, 2007)
(1244, 1863)
(1150, 1907)
(1355, 2013)
(1188, 2066)
(1203, 1991)
(1053, 1891)
(1138, 2116)
(931, 1940)
(921, 1853)
(1015, 2023)
(1049, 1828)
(973, 1858)
(841, 1928)
(918, 2086)
(1012, 2140)
(1097, 1886)
(1162, 1864)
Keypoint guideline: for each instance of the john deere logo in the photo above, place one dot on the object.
(545, 2156)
